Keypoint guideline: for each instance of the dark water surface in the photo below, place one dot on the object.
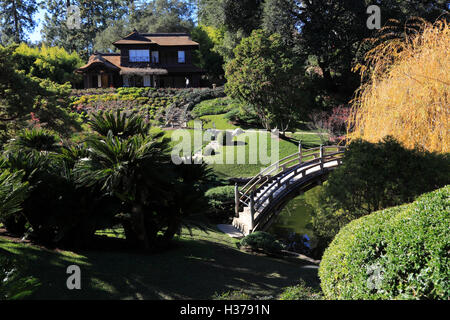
(295, 217)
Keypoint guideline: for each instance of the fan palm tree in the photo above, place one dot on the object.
(13, 191)
(38, 139)
(157, 195)
(128, 169)
(120, 124)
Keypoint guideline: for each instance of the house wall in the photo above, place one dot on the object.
(168, 56)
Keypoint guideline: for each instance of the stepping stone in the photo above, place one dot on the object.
(230, 230)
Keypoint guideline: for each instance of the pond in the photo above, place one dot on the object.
(295, 217)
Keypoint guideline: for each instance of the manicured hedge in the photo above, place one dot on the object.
(261, 241)
(397, 253)
(221, 202)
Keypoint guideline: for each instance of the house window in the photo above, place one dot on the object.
(139, 56)
(155, 56)
(181, 57)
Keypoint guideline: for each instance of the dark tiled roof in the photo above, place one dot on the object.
(102, 60)
(161, 39)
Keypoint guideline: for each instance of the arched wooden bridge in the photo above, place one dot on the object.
(263, 197)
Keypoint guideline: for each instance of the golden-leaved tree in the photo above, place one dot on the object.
(406, 88)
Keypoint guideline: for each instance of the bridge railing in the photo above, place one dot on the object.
(246, 195)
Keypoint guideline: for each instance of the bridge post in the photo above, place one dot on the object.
(321, 157)
(300, 151)
(236, 199)
(252, 212)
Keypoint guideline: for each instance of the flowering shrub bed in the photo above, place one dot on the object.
(149, 102)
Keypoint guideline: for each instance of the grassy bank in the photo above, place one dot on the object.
(196, 267)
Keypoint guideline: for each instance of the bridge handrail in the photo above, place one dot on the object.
(246, 196)
(260, 215)
(268, 170)
(299, 170)
(301, 155)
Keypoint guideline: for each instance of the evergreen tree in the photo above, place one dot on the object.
(268, 76)
(243, 15)
(95, 16)
(281, 16)
(163, 16)
(211, 12)
(16, 18)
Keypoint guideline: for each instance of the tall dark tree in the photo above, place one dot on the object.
(333, 32)
(163, 16)
(211, 12)
(16, 18)
(281, 16)
(243, 15)
(94, 17)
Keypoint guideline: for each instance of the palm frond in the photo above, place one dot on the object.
(12, 192)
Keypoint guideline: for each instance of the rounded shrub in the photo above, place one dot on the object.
(262, 242)
(397, 253)
(221, 202)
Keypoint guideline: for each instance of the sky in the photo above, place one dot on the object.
(35, 36)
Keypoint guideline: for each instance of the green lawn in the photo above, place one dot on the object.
(249, 168)
(217, 120)
(196, 267)
(246, 168)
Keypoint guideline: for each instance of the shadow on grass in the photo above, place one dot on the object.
(295, 140)
(192, 269)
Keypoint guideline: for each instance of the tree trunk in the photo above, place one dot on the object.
(172, 229)
(139, 226)
(16, 22)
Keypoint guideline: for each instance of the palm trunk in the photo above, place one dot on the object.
(139, 227)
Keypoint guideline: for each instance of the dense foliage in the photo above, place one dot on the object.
(26, 100)
(13, 191)
(300, 292)
(16, 19)
(52, 63)
(156, 105)
(155, 16)
(267, 76)
(221, 202)
(397, 253)
(63, 28)
(374, 177)
(213, 106)
(121, 175)
(206, 57)
(14, 286)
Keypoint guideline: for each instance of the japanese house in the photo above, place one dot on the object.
(145, 60)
